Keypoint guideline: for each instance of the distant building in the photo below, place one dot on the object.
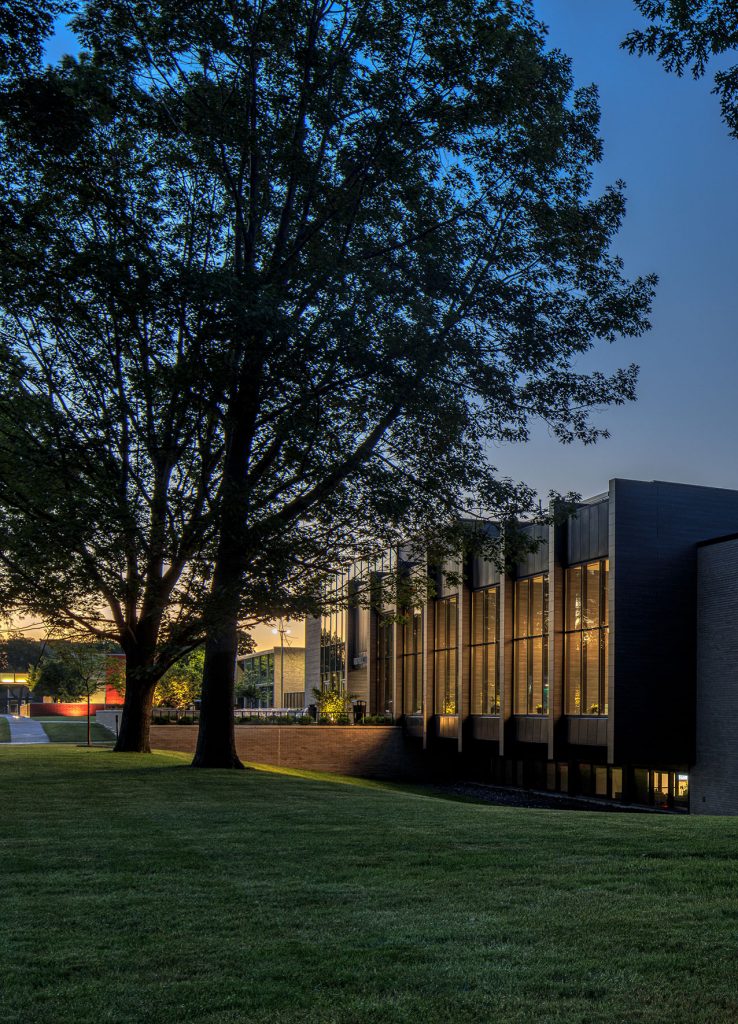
(279, 683)
(603, 664)
(14, 691)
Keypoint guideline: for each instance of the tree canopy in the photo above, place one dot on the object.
(684, 35)
(24, 26)
(181, 685)
(320, 257)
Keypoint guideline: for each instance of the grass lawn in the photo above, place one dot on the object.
(4, 730)
(136, 889)
(74, 730)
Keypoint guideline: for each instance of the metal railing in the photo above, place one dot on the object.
(191, 716)
(251, 713)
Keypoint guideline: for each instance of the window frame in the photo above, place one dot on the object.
(480, 687)
(601, 633)
(448, 655)
(412, 658)
(384, 655)
(333, 646)
(526, 641)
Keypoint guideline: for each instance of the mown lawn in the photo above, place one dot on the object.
(4, 731)
(137, 889)
(74, 730)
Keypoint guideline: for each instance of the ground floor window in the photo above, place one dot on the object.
(652, 787)
(665, 789)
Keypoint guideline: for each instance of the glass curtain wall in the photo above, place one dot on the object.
(446, 655)
(385, 653)
(258, 676)
(530, 645)
(485, 633)
(333, 639)
(586, 638)
(412, 661)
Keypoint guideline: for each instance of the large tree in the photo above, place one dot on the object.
(398, 261)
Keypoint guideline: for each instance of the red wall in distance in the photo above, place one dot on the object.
(63, 710)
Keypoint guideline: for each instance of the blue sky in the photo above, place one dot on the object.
(665, 138)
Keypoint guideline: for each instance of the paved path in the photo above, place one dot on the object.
(25, 730)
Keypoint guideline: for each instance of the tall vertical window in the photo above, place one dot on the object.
(530, 645)
(446, 654)
(333, 646)
(485, 631)
(412, 661)
(385, 653)
(586, 638)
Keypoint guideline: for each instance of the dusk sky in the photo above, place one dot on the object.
(665, 138)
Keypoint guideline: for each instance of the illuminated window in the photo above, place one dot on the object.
(385, 651)
(485, 631)
(586, 639)
(333, 640)
(530, 645)
(412, 661)
(446, 654)
(669, 789)
(681, 788)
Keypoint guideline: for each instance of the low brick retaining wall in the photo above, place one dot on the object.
(373, 751)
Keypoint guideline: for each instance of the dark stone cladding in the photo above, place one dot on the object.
(587, 533)
(714, 779)
(654, 531)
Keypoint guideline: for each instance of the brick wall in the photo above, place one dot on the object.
(294, 673)
(370, 751)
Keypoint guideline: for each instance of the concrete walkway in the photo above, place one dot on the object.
(25, 730)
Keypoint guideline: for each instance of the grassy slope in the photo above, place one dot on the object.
(74, 730)
(137, 889)
(4, 731)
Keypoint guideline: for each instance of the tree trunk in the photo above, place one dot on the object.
(133, 733)
(216, 740)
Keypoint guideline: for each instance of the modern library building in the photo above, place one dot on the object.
(605, 664)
